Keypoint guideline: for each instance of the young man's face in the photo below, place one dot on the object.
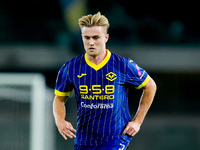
(94, 40)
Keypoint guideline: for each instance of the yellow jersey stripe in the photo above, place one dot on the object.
(143, 83)
(99, 66)
(63, 93)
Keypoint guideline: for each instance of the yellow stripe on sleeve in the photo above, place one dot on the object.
(143, 83)
(63, 93)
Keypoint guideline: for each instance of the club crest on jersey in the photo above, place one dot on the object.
(111, 76)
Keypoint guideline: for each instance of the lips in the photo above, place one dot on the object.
(91, 48)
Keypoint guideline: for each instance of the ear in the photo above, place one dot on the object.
(107, 37)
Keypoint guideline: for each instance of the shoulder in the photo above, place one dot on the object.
(119, 58)
(122, 59)
(125, 63)
(74, 60)
(70, 64)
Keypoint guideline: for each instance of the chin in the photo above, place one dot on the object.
(92, 54)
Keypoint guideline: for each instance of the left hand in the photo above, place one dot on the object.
(131, 128)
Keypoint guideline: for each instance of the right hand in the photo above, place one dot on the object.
(66, 129)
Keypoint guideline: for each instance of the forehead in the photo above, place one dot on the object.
(94, 30)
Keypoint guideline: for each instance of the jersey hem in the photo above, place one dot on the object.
(91, 142)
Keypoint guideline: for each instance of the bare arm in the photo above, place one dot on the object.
(146, 100)
(64, 127)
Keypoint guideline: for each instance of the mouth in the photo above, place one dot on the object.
(91, 48)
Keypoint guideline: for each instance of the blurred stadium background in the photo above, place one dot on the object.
(38, 36)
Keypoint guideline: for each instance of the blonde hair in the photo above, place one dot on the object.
(94, 20)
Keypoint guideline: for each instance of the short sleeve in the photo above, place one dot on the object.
(136, 75)
(63, 85)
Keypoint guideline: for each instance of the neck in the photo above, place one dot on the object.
(97, 59)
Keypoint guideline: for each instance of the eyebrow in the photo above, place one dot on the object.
(91, 36)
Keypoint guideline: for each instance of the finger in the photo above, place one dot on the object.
(130, 131)
(70, 134)
(64, 136)
(125, 130)
(72, 129)
(133, 134)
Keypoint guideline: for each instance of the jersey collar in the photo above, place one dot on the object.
(99, 66)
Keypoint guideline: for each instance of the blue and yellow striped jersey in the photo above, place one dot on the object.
(102, 95)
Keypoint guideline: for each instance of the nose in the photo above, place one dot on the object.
(91, 42)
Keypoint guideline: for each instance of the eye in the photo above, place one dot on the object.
(95, 37)
(87, 37)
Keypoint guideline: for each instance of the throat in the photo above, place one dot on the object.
(97, 59)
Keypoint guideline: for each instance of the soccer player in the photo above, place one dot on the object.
(100, 80)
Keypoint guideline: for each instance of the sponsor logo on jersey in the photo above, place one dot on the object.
(83, 74)
(97, 106)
